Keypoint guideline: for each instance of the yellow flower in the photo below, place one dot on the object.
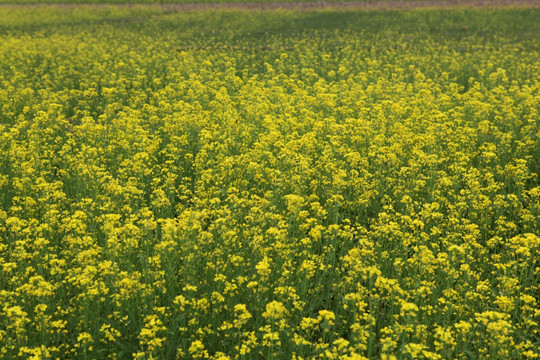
(242, 315)
(408, 309)
(274, 311)
(197, 350)
(263, 267)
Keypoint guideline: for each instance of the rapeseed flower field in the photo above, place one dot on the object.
(269, 185)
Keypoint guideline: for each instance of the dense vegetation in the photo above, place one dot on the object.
(113, 2)
(281, 184)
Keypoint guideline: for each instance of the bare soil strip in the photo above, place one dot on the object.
(346, 5)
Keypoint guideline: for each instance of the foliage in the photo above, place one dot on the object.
(255, 185)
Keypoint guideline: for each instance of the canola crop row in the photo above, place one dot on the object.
(269, 185)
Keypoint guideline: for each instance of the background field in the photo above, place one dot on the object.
(321, 184)
(359, 3)
(161, 2)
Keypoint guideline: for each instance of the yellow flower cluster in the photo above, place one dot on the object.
(257, 185)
